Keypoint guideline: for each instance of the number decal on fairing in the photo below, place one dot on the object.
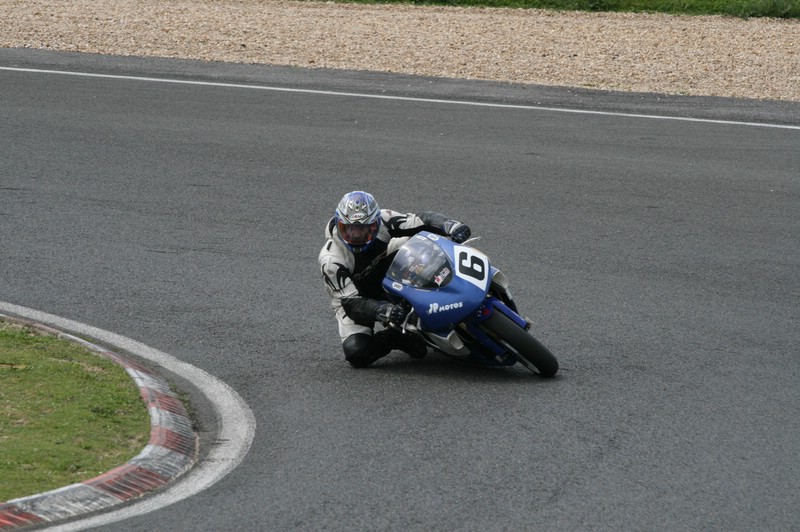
(472, 266)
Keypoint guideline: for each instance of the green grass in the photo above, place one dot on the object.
(735, 8)
(66, 414)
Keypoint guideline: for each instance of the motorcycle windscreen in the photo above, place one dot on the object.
(422, 264)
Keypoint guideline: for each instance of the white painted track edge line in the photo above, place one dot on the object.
(236, 420)
(402, 98)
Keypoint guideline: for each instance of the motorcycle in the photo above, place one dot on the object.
(461, 305)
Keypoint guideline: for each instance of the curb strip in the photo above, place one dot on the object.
(171, 451)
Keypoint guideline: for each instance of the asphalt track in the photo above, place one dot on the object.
(658, 259)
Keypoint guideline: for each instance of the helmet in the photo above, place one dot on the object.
(358, 219)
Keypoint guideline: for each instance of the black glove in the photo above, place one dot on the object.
(457, 231)
(389, 313)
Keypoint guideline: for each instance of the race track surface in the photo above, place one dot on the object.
(659, 260)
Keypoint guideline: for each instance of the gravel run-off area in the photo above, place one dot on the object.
(718, 56)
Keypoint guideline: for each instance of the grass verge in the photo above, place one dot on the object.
(734, 8)
(66, 414)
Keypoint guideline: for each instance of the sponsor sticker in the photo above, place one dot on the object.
(436, 308)
(439, 279)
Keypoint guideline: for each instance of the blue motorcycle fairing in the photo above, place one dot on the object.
(454, 291)
(444, 282)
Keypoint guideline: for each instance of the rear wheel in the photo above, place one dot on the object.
(530, 351)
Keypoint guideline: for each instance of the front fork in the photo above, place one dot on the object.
(491, 343)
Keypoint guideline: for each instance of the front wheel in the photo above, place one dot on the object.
(530, 351)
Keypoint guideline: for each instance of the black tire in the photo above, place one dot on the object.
(530, 351)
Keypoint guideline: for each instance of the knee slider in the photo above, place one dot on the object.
(358, 350)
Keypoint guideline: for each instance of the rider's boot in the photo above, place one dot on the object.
(361, 350)
(410, 344)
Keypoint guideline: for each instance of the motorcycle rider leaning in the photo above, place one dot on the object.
(362, 240)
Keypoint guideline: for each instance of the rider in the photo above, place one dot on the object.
(362, 241)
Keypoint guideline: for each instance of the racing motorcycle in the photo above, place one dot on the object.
(461, 305)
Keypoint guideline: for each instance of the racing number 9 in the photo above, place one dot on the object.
(471, 266)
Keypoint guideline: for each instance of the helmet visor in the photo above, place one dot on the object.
(357, 234)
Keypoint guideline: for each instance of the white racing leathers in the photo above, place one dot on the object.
(353, 280)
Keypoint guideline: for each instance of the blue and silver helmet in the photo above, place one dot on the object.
(358, 219)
